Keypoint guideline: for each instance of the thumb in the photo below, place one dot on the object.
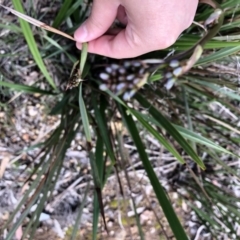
(103, 14)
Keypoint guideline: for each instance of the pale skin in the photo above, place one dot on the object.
(150, 25)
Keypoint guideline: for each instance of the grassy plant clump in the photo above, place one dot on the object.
(160, 154)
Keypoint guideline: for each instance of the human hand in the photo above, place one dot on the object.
(150, 25)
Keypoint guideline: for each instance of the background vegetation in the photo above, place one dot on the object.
(185, 140)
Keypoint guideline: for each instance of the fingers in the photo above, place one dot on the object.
(121, 15)
(114, 46)
(149, 27)
(103, 14)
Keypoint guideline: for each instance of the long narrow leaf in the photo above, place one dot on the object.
(158, 189)
(84, 115)
(170, 129)
(32, 44)
(25, 88)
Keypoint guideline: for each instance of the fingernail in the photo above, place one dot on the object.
(81, 33)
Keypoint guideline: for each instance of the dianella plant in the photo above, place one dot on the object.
(178, 109)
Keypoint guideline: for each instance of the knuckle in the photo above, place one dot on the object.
(166, 40)
(134, 40)
(94, 23)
